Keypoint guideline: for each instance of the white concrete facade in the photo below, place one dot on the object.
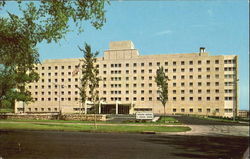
(200, 83)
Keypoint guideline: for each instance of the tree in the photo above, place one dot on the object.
(162, 82)
(89, 79)
(36, 22)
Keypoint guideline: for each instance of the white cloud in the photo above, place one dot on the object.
(164, 32)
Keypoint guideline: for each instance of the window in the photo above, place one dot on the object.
(150, 91)
(174, 77)
(142, 64)
(217, 83)
(217, 68)
(217, 91)
(150, 64)
(199, 110)
(150, 77)
(135, 65)
(182, 98)
(208, 83)
(166, 70)
(174, 91)
(69, 67)
(208, 90)
(150, 98)
(208, 69)
(208, 76)
(216, 61)
(174, 63)
(199, 62)
(182, 84)
(208, 98)
(182, 62)
(217, 76)
(166, 63)
(182, 110)
(191, 77)
(199, 91)
(191, 98)
(208, 61)
(134, 78)
(182, 91)
(158, 63)
(191, 84)
(150, 84)
(199, 76)
(199, 98)
(191, 110)
(174, 69)
(142, 77)
(174, 84)
(135, 71)
(174, 109)
(142, 91)
(62, 67)
(208, 110)
(199, 69)
(191, 91)
(217, 98)
(183, 70)
(174, 98)
(199, 84)
(182, 77)
(142, 71)
(190, 62)
(191, 69)
(150, 71)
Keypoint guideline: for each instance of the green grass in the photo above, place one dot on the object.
(89, 128)
(6, 110)
(160, 122)
(167, 119)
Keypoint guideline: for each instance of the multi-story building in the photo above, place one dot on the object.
(199, 83)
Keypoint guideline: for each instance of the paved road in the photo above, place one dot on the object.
(210, 127)
(52, 144)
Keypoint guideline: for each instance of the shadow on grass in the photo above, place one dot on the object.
(205, 147)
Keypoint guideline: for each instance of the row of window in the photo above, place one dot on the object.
(50, 86)
(57, 67)
(56, 74)
(217, 76)
(208, 110)
(143, 99)
(198, 84)
(200, 110)
(191, 91)
(174, 63)
(62, 80)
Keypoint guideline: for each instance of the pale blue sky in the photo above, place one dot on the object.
(166, 27)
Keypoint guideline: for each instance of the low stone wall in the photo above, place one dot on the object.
(77, 117)
(83, 117)
(29, 117)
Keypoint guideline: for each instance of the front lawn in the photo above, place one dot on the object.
(90, 128)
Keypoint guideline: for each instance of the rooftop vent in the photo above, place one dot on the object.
(202, 49)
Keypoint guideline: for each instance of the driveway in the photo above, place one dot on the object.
(210, 127)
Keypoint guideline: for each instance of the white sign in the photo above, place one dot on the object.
(144, 116)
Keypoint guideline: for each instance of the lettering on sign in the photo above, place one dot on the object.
(144, 116)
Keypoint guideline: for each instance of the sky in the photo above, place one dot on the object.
(168, 27)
